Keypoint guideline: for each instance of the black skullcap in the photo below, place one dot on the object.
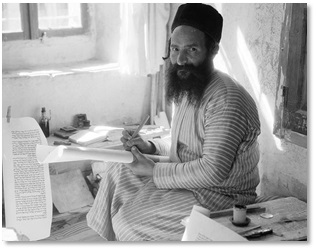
(200, 16)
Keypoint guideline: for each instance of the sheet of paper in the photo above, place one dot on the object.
(202, 228)
(27, 192)
(96, 134)
(70, 191)
(49, 154)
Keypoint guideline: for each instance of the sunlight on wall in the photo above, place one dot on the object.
(51, 73)
(221, 62)
(146, 47)
(67, 71)
(252, 74)
(98, 68)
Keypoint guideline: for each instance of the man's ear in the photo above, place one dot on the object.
(215, 50)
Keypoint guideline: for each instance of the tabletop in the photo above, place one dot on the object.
(288, 220)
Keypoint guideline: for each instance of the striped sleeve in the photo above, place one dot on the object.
(225, 126)
(162, 146)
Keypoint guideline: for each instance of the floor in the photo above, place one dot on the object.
(72, 227)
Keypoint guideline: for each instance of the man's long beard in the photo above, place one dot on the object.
(187, 81)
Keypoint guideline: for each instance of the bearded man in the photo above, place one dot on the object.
(213, 152)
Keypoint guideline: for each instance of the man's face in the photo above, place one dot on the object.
(187, 46)
(189, 65)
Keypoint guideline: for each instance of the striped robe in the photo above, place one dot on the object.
(214, 155)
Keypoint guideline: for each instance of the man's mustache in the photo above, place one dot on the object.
(182, 70)
(185, 68)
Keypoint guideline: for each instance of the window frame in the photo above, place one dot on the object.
(25, 33)
(31, 31)
(292, 72)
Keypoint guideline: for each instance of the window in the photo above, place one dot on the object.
(31, 20)
(296, 89)
(291, 122)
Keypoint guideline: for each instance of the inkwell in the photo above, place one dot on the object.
(44, 122)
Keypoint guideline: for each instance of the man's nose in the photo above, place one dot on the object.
(182, 58)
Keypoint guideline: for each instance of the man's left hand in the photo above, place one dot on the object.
(141, 166)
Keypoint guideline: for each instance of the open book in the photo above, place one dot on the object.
(96, 134)
(199, 227)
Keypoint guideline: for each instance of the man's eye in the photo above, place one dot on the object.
(174, 49)
(192, 49)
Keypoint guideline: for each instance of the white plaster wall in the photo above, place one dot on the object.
(250, 53)
(106, 96)
(34, 53)
(107, 24)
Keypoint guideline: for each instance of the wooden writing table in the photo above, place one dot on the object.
(289, 221)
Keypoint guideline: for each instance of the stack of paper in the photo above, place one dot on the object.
(94, 134)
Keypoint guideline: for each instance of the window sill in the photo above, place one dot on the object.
(91, 66)
(296, 138)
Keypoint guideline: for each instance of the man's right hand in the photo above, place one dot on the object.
(143, 146)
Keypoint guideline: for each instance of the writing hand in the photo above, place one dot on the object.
(144, 146)
(141, 166)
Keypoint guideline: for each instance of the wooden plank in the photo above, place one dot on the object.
(163, 99)
(292, 67)
(289, 207)
(229, 212)
(157, 95)
(296, 138)
(297, 47)
(152, 99)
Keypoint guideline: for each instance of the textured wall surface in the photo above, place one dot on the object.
(250, 52)
(33, 53)
(107, 97)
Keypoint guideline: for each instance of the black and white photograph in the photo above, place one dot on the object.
(173, 123)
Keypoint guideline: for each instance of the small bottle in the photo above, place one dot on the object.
(44, 123)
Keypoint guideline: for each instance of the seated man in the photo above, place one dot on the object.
(213, 152)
